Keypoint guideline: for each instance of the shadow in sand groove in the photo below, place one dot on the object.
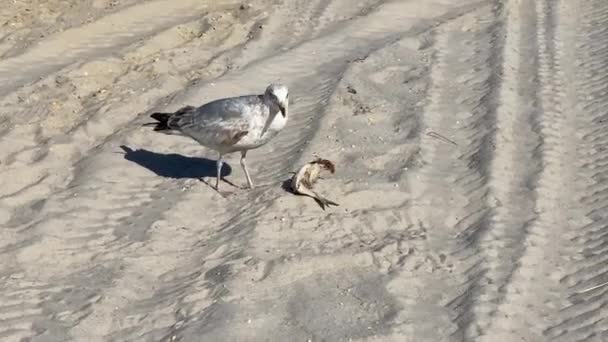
(174, 165)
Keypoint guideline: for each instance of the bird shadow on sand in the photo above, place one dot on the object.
(174, 165)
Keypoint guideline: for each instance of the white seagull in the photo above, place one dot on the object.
(230, 124)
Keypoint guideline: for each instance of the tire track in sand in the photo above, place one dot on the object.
(313, 19)
(583, 318)
(565, 248)
(99, 37)
(513, 167)
(461, 109)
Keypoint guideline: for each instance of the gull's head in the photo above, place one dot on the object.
(278, 95)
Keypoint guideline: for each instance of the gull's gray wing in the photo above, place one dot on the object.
(220, 123)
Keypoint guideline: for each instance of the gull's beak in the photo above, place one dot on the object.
(282, 109)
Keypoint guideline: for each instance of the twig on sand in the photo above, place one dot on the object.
(441, 137)
(595, 287)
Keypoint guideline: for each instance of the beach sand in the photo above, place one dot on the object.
(469, 138)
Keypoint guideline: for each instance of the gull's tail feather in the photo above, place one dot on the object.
(168, 121)
(162, 123)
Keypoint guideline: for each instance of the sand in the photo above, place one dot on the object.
(470, 146)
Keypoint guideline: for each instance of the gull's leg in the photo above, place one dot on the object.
(219, 172)
(244, 165)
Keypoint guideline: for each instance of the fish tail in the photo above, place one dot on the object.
(321, 201)
(326, 201)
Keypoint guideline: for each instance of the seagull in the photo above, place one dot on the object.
(234, 124)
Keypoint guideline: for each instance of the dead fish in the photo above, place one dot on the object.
(303, 180)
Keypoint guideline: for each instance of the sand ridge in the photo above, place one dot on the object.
(469, 148)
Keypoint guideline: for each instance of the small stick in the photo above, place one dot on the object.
(595, 287)
(441, 137)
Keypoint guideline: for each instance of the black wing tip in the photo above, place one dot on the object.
(160, 117)
(162, 121)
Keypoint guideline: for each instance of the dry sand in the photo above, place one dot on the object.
(471, 145)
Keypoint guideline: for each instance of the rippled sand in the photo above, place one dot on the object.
(470, 141)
